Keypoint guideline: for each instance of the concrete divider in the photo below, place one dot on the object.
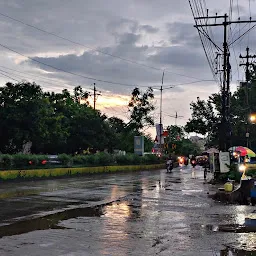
(72, 171)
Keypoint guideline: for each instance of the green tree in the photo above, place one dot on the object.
(205, 118)
(140, 107)
(175, 133)
(20, 106)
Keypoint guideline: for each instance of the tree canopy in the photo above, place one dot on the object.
(65, 122)
(206, 116)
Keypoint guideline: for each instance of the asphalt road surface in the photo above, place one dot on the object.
(140, 213)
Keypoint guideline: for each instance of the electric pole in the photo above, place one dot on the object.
(225, 126)
(161, 103)
(176, 116)
(95, 94)
(247, 78)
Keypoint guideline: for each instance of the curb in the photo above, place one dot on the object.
(62, 172)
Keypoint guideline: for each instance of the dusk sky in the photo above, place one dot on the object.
(146, 36)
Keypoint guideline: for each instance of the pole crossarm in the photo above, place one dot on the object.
(209, 17)
(224, 23)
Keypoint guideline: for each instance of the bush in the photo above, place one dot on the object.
(103, 159)
(66, 159)
(251, 173)
(121, 160)
(79, 160)
(6, 161)
(151, 159)
(134, 159)
(21, 160)
(90, 160)
(233, 174)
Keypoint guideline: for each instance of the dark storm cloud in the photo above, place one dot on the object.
(183, 34)
(179, 56)
(155, 33)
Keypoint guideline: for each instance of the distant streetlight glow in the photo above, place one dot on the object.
(253, 118)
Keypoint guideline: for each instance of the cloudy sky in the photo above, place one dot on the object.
(127, 42)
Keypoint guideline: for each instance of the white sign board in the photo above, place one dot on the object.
(224, 158)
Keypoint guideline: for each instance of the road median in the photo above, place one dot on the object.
(10, 175)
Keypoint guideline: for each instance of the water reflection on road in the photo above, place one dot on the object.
(142, 213)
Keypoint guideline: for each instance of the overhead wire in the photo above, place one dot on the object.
(94, 49)
(9, 77)
(230, 16)
(209, 45)
(51, 81)
(64, 71)
(241, 36)
(196, 8)
(231, 36)
(199, 81)
(238, 12)
(207, 30)
(206, 42)
(250, 14)
(26, 78)
(37, 77)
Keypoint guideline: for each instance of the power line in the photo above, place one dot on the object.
(250, 23)
(203, 35)
(94, 49)
(195, 82)
(9, 77)
(32, 75)
(52, 82)
(65, 71)
(26, 77)
(243, 34)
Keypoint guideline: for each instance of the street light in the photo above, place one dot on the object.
(252, 118)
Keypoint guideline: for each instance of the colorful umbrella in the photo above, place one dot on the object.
(243, 151)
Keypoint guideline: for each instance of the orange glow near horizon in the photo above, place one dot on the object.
(105, 101)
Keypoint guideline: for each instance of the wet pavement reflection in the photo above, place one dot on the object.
(140, 213)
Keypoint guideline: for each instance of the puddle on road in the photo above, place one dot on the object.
(48, 222)
(231, 228)
(236, 252)
(236, 228)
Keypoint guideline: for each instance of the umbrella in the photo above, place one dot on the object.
(243, 151)
(212, 150)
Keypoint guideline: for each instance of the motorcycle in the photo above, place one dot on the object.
(169, 165)
(193, 163)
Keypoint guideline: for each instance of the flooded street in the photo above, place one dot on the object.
(140, 213)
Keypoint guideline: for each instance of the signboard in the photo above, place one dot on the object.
(139, 145)
(224, 158)
(159, 131)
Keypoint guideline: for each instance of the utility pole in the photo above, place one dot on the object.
(247, 78)
(176, 117)
(95, 94)
(225, 126)
(161, 103)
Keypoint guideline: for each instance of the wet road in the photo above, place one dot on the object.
(142, 213)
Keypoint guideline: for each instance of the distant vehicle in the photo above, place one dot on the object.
(183, 160)
(53, 159)
(169, 165)
(193, 162)
(201, 160)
